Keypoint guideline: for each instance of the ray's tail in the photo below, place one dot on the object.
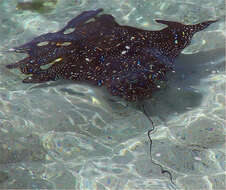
(150, 148)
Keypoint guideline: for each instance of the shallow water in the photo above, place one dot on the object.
(67, 135)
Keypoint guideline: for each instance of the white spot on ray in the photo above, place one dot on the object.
(43, 43)
(69, 30)
(123, 52)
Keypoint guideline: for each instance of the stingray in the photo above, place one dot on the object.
(131, 62)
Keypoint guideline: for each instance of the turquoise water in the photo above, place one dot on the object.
(65, 135)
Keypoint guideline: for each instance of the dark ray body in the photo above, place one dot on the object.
(131, 62)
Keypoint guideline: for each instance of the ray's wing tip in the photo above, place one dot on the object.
(11, 66)
(163, 21)
(28, 80)
(167, 22)
(211, 21)
(99, 10)
(19, 49)
(94, 11)
(207, 23)
(159, 20)
(11, 50)
(216, 20)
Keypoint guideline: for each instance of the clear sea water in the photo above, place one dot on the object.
(65, 135)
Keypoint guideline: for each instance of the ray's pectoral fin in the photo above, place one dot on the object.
(40, 77)
(51, 47)
(13, 65)
(191, 28)
(81, 19)
(59, 36)
(201, 26)
(56, 43)
(25, 65)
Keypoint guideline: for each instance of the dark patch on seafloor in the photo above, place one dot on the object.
(41, 6)
(3, 176)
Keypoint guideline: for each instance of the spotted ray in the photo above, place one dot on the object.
(131, 62)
